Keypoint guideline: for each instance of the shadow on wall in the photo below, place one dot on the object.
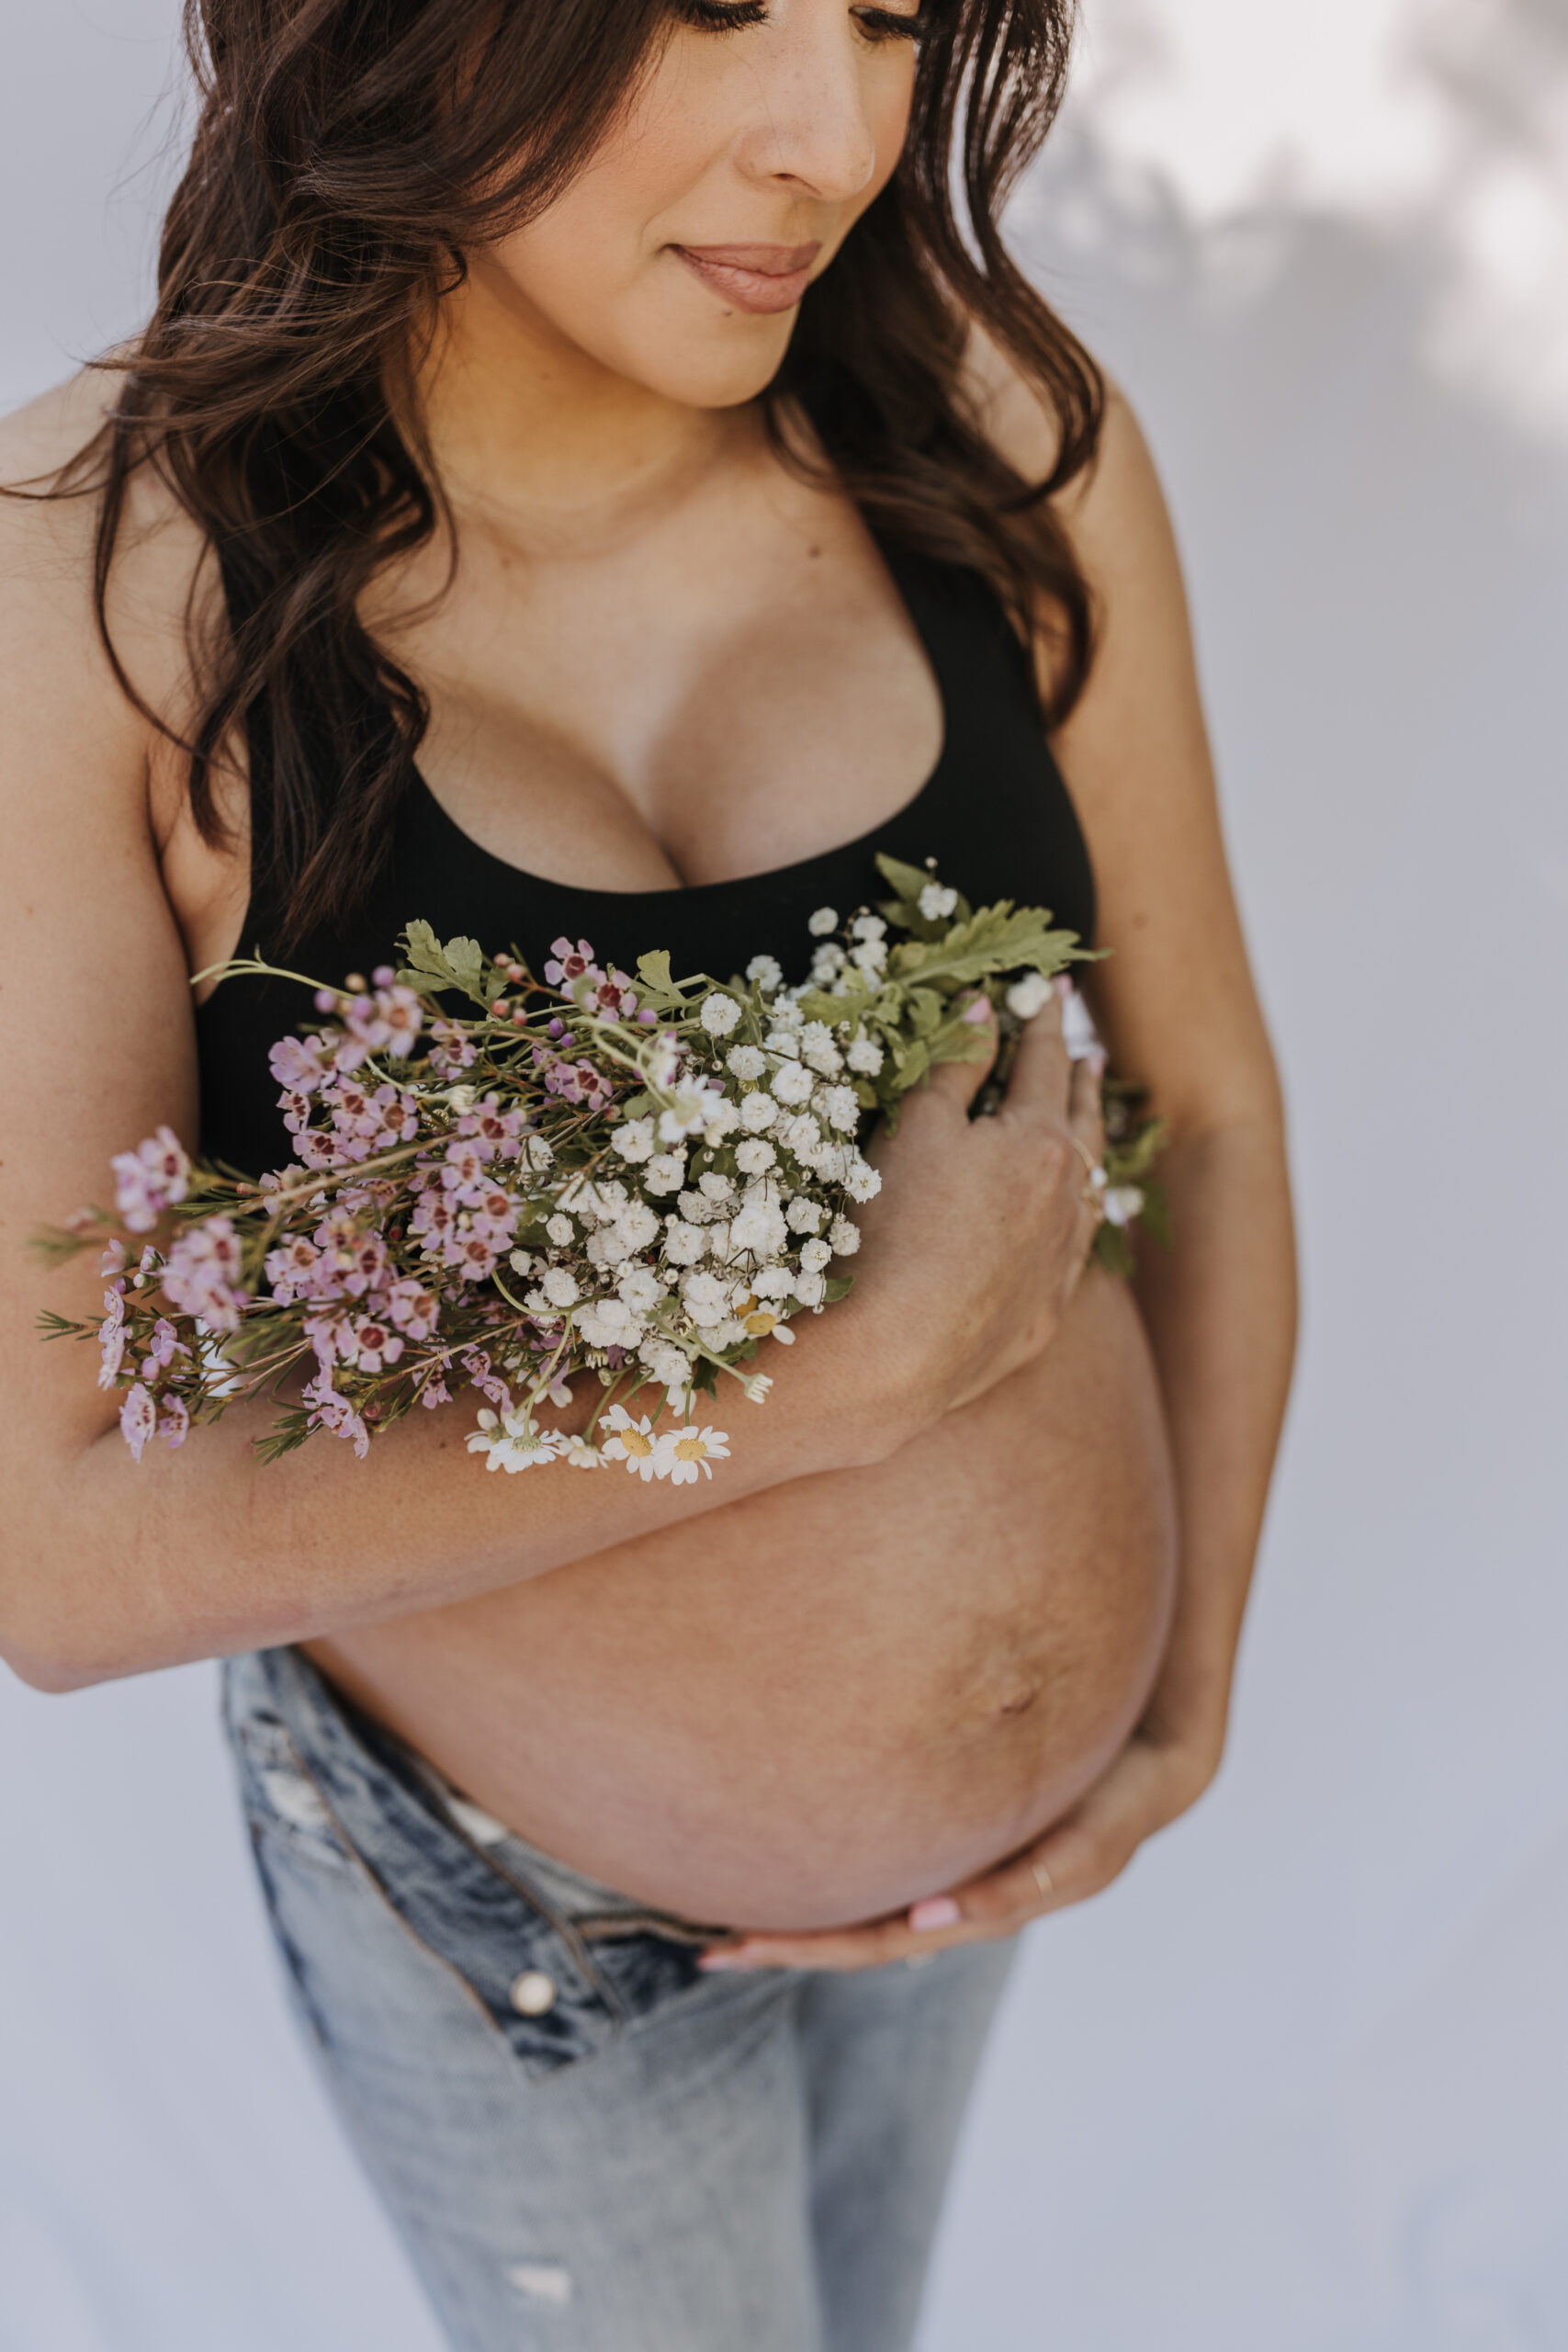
(1300, 2079)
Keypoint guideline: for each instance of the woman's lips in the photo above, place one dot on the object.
(753, 278)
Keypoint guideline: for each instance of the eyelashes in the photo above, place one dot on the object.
(731, 15)
(714, 17)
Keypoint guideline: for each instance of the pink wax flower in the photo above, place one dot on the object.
(149, 1179)
(569, 963)
(137, 1420)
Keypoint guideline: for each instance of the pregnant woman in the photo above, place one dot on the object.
(594, 469)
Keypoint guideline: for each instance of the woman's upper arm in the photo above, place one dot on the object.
(1175, 995)
(96, 1036)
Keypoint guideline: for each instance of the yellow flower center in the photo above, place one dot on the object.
(690, 1449)
(761, 1324)
(635, 1442)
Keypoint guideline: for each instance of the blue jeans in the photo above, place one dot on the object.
(586, 2144)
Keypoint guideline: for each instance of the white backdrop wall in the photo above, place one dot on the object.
(1301, 2080)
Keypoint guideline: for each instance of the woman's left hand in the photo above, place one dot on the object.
(1155, 1778)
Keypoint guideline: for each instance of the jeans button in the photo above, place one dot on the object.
(532, 1994)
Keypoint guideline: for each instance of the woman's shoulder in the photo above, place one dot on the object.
(1113, 509)
(58, 690)
(1020, 425)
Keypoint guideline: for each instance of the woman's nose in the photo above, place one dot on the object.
(811, 124)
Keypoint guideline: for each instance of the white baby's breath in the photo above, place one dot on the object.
(719, 1013)
(633, 1139)
(747, 1062)
(824, 920)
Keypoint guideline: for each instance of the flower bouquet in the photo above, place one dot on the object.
(502, 1183)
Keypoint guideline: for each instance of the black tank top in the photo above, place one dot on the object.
(993, 814)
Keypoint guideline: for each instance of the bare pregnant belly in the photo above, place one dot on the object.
(820, 1703)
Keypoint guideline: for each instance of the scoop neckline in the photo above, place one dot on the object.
(894, 561)
(584, 891)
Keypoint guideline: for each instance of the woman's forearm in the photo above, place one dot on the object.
(1219, 1306)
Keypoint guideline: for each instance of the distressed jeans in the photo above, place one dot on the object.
(585, 2144)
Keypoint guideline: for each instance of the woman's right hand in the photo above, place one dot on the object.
(983, 1225)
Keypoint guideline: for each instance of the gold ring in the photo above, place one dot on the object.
(1093, 1167)
(1042, 1879)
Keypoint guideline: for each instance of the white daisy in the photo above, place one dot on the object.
(687, 1451)
(685, 1114)
(512, 1442)
(633, 1443)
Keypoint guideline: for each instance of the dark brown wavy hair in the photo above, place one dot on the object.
(332, 189)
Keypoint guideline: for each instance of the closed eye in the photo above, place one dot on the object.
(732, 16)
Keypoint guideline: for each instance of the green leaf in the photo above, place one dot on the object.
(837, 1287)
(913, 1064)
(466, 957)
(459, 965)
(909, 881)
(926, 1008)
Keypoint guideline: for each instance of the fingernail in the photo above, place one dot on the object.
(978, 1010)
(936, 1911)
(1062, 986)
(1095, 1057)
